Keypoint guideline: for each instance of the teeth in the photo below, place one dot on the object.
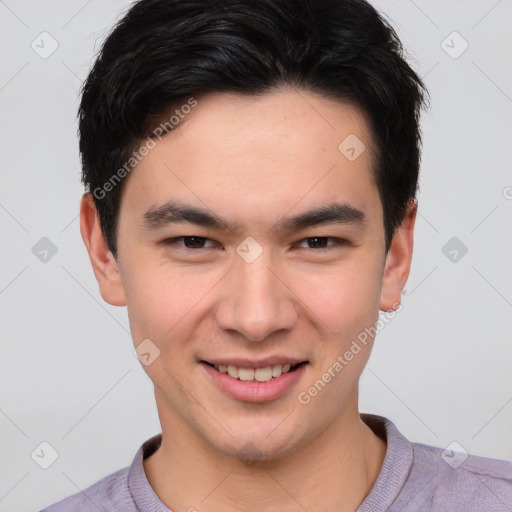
(263, 374)
(250, 374)
(245, 374)
(232, 371)
(277, 370)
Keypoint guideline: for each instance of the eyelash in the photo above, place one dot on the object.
(338, 242)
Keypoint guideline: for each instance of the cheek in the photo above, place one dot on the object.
(162, 302)
(348, 303)
(345, 298)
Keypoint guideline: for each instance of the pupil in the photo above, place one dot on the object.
(316, 244)
(197, 239)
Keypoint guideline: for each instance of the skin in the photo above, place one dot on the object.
(254, 160)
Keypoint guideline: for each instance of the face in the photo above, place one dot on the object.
(247, 238)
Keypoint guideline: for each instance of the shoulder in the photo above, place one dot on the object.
(455, 480)
(109, 493)
(418, 477)
(117, 491)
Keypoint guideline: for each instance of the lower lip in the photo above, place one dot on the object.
(253, 391)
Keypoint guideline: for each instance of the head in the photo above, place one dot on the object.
(242, 124)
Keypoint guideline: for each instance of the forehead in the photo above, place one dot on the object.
(257, 155)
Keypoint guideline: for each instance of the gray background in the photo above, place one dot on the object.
(441, 370)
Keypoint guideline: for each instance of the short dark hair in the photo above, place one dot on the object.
(162, 52)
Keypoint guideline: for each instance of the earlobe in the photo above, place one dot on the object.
(398, 261)
(103, 263)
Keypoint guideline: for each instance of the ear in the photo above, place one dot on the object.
(103, 262)
(398, 261)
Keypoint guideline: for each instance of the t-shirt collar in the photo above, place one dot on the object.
(392, 476)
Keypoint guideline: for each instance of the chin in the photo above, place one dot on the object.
(258, 444)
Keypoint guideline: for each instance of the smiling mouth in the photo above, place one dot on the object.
(255, 374)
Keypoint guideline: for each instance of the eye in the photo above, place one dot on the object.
(189, 242)
(320, 242)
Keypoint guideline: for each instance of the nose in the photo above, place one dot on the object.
(256, 300)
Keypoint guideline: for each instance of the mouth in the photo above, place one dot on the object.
(264, 374)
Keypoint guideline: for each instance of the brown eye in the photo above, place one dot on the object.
(320, 242)
(189, 242)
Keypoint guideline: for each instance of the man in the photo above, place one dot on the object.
(251, 171)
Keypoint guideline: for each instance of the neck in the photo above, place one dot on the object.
(334, 471)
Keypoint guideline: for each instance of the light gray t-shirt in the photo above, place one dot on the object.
(414, 477)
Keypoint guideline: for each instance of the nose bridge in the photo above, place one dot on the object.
(257, 303)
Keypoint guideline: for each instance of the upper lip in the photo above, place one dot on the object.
(242, 362)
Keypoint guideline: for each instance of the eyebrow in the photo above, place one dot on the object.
(175, 212)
